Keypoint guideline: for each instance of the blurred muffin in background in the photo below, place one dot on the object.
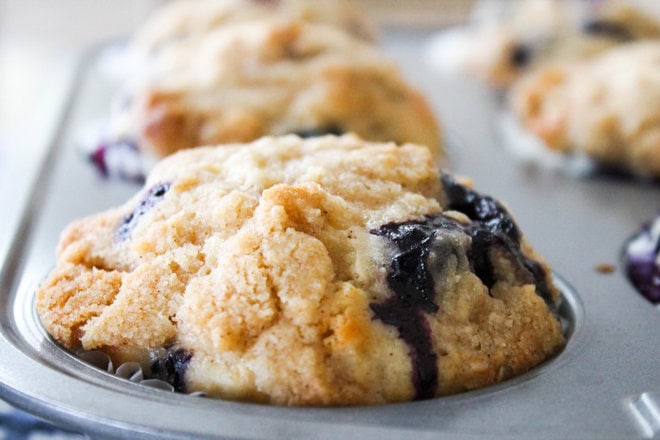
(307, 69)
(256, 78)
(509, 38)
(188, 19)
(607, 107)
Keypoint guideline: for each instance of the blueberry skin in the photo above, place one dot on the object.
(492, 225)
(641, 265)
(412, 282)
(130, 221)
(172, 366)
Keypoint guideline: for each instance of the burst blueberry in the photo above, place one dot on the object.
(421, 249)
(492, 226)
(607, 29)
(171, 367)
(641, 261)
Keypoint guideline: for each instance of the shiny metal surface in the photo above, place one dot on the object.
(604, 384)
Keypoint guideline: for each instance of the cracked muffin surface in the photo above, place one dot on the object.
(322, 271)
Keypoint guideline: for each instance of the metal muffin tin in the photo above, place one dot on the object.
(605, 383)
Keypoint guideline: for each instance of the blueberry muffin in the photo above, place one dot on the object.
(320, 271)
(181, 20)
(606, 108)
(523, 35)
(642, 261)
(268, 77)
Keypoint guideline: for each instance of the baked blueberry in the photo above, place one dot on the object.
(493, 226)
(642, 261)
(119, 158)
(170, 365)
(128, 223)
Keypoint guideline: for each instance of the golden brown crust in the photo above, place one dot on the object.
(76, 294)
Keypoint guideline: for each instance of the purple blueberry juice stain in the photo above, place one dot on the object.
(420, 251)
(412, 283)
(171, 367)
(641, 261)
(130, 221)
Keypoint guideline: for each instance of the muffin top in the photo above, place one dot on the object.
(269, 77)
(323, 271)
(606, 108)
(180, 20)
(525, 35)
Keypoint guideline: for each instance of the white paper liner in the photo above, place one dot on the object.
(531, 150)
(97, 359)
(130, 371)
